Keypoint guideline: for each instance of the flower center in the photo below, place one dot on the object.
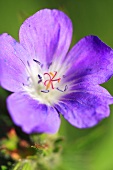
(49, 82)
(40, 83)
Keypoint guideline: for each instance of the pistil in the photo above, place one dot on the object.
(51, 79)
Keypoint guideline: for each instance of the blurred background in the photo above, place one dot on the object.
(88, 149)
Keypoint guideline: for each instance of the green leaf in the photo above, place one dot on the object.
(3, 167)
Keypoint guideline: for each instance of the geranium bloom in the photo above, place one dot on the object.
(47, 80)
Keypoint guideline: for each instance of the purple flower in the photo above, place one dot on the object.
(47, 80)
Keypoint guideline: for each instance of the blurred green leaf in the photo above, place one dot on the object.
(3, 167)
(24, 165)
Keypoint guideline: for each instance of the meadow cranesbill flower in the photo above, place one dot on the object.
(47, 80)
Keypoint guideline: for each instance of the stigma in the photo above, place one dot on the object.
(49, 83)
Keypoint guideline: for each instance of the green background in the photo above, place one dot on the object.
(88, 149)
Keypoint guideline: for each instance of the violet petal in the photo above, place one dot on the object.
(85, 107)
(31, 115)
(46, 35)
(90, 60)
(13, 73)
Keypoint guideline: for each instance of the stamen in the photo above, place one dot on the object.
(66, 87)
(36, 61)
(28, 63)
(63, 76)
(49, 65)
(40, 79)
(51, 74)
(28, 78)
(25, 84)
(45, 91)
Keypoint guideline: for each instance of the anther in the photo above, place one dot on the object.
(40, 79)
(66, 87)
(28, 78)
(45, 91)
(25, 84)
(36, 61)
(28, 63)
(49, 65)
(63, 76)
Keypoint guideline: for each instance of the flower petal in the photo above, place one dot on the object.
(31, 115)
(86, 106)
(46, 35)
(90, 60)
(13, 73)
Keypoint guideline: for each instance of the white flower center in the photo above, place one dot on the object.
(46, 86)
